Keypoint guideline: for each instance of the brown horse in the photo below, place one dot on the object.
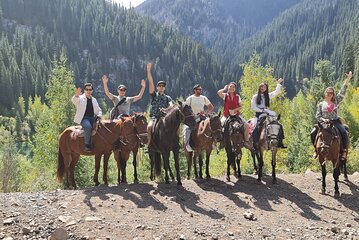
(202, 138)
(268, 130)
(328, 148)
(71, 146)
(136, 139)
(165, 138)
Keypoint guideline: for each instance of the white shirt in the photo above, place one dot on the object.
(259, 108)
(81, 103)
(197, 103)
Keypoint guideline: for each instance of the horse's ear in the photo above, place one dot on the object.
(219, 114)
(179, 102)
(278, 117)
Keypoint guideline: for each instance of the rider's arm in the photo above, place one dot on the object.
(105, 87)
(319, 113)
(140, 94)
(151, 86)
(221, 91)
(276, 91)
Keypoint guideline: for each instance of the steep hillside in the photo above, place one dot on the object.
(99, 38)
(218, 24)
(309, 31)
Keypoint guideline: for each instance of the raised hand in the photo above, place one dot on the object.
(349, 77)
(280, 80)
(143, 83)
(149, 65)
(104, 79)
(78, 92)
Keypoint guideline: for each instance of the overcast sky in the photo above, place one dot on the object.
(126, 3)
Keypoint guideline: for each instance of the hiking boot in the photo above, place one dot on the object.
(87, 148)
(280, 144)
(221, 145)
(315, 155)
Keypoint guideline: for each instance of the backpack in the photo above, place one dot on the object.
(114, 111)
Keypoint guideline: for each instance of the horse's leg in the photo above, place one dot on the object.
(165, 157)
(176, 157)
(274, 153)
(75, 159)
(189, 156)
(238, 160)
(116, 154)
(336, 174)
(97, 168)
(208, 155)
(254, 162)
(152, 165)
(259, 154)
(344, 169)
(123, 160)
(200, 161)
(106, 156)
(195, 156)
(229, 158)
(67, 162)
(169, 169)
(134, 152)
(324, 174)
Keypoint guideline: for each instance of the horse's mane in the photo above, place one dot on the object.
(171, 112)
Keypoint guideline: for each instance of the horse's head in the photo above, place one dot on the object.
(326, 136)
(272, 130)
(216, 126)
(140, 123)
(235, 132)
(128, 132)
(188, 116)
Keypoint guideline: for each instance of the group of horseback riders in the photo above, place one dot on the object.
(87, 108)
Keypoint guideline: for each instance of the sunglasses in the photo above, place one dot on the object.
(88, 89)
(161, 85)
(199, 89)
(330, 93)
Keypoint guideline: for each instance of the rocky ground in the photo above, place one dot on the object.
(203, 209)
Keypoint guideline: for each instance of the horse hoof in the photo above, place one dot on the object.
(337, 195)
(346, 179)
(179, 183)
(323, 191)
(259, 180)
(200, 177)
(208, 177)
(97, 183)
(228, 179)
(135, 181)
(255, 173)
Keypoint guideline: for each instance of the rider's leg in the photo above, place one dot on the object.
(186, 136)
(149, 131)
(86, 123)
(281, 136)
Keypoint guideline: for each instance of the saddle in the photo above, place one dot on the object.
(78, 131)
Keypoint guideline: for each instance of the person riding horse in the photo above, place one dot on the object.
(260, 105)
(122, 103)
(232, 107)
(87, 109)
(159, 100)
(197, 102)
(328, 111)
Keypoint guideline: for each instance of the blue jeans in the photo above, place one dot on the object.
(343, 133)
(87, 123)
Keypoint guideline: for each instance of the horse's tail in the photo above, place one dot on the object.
(157, 163)
(60, 166)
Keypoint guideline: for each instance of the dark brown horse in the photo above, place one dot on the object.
(202, 138)
(268, 140)
(71, 146)
(165, 138)
(328, 148)
(137, 138)
(234, 142)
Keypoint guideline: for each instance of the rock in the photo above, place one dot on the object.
(70, 223)
(92, 219)
(25, 231)
(348, 225)
(248, 215)
(8, 238)
(230, 234)
(59, 234)
(182, 237)
(345, 231)
(64, 219)
(334, 229)
(9, 221)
